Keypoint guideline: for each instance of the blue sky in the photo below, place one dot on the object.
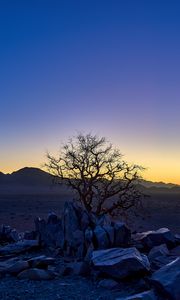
(106, 67)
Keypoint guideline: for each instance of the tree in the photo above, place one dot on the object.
(104, 182)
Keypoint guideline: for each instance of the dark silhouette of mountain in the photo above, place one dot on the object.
(151, 184)
(2, 176)
(30, 176)
(26, 176)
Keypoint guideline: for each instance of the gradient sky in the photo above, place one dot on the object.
(106, 67)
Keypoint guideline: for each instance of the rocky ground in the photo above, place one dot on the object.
(62, 287)
(77, 255)
(66, 288)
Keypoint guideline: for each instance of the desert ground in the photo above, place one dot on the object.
(19, 208)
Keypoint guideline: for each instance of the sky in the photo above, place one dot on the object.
(111, 68)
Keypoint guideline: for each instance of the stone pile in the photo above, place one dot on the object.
(98, 247)
(8, 235)
(78, 233)
(35, 268)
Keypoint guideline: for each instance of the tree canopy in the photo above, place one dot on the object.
(104, 182)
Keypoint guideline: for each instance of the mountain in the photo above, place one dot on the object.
(30, 176)
(26, 176)
(151, 184)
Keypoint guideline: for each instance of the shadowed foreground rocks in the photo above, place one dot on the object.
(101, 253)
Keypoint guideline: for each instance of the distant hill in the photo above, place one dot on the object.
(29, 176)
(151, 184)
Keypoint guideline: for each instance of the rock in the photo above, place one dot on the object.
(109, 284)
(78, 238)
(64, 270)
(74, 268)
(110, 233)
(150, 239)
(7, 234)
(19, 247)
(101, 238)
(138, 245)
(122, 235)
(29, 235)
(49, 230)
(36, 274)
(157, 251)
(70, 225)
(175, 251)
(102, 220)
(84, 221)
(52, 218)
(17, 267)
(89, 236)
(119, 262)
(167, 280)
(59, 243)
(89, 252)
(80, 268)
(41, 262)
(78, 245)
(14, 236)
(160, 261)
(12, 266)
(177, 239)
(147, 295)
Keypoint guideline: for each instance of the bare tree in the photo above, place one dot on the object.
(104, 182)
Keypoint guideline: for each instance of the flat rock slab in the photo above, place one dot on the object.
(19, 247)
(120, 262)
(41, 261)
(167, 280)
(158, 237)
(16, 267)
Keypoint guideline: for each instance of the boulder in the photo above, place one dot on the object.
(109, 284)
(29, 235)
(150, 239)
(175, 251)
(77, 245)
(13, 266)
(101, 238)
(120, 262)
(19, 247)
(160, 261)
(16, 267)
(48, 231)
(157, 251)
(7, 234)
(102, 220)
(147, 295)
(109, 229)
(89, 252)
(52, 218)
(70, 225)
(177, 239)
(122, 234)
(84, 220)
(41, 262)
(36, 274)
(167, 280)
(89, 236)
(79, 268)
